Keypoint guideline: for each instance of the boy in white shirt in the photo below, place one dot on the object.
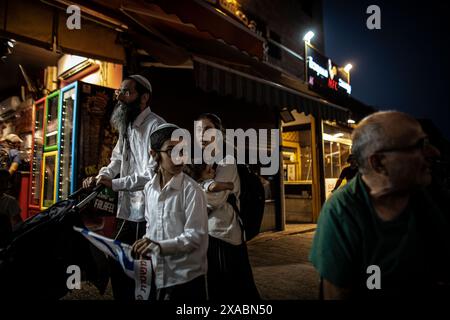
(176, 237)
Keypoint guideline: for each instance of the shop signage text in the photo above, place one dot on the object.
(323, 74)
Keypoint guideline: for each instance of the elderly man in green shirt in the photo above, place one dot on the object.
(382, 235)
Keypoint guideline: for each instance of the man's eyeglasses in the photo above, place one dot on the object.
(124, 92)
(169, 152)
(421, 144)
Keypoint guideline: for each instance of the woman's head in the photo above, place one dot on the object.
(207, 121)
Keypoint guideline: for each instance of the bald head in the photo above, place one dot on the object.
(382, 130)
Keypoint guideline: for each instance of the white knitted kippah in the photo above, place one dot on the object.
(142, 80)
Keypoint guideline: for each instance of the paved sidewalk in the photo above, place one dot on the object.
(280, 264)
(280, 267)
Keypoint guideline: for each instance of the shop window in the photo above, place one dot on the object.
(49, 179)
(298, 173)
(297, 160)
(38, 150)
(68, 101)
(297, 157)
(336, 149)
(51, 127)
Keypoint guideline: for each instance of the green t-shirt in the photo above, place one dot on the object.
(412, 251)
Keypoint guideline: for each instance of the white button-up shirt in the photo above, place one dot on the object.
(177, 219)
(134, 165)
(223, 221)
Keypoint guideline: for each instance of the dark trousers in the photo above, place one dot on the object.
(192, 291)
(230, 275)
(122, 285)
(5, 230)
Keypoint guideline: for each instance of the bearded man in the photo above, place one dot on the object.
(130, 160)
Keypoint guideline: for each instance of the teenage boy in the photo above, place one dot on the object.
(176, 236)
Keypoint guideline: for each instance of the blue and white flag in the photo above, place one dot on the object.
(139, 270)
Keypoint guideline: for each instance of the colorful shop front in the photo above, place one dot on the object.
(64, 85)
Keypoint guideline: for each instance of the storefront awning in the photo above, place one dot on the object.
(43, 24)
(212, 77)
(217, 24)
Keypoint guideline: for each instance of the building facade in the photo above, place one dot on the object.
(245, 61)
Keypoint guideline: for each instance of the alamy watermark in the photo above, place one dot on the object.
(263, 147)
(374, 280)
(374, 20)
(74, 278)
(74, 20)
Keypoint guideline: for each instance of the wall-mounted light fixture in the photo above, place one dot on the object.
(348, 67)
(308, 36)
(286, 115)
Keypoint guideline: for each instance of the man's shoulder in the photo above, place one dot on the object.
(346, 202)
(190, 184)
(154, 120)
(13, 152)
(347, 168)
(150, 184)
(148, 120)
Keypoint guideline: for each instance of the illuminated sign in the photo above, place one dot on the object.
(317, 68)
(324, 75)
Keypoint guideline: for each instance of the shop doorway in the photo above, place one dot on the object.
(298, 169)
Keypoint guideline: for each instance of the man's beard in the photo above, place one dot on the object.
(124, 114)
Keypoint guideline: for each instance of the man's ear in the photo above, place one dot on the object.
(376, 163)
(153, 153)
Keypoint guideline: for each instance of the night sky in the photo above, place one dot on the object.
(405, 65)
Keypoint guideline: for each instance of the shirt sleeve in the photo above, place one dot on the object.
(224, 173)
(205, 184)
(334, 250)
(135, 181)
(15, 156)
(113, 168)
(195, 233)
(344, 173)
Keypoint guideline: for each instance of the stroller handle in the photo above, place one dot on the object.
(97, 189)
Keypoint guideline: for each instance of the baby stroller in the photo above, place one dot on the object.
(34, 264)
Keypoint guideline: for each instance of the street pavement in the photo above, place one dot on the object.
(280, 267)
(280, 264)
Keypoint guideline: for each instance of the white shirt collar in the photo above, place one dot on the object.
(142, 116)
(174, 183)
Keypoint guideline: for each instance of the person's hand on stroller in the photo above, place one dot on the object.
(91, 182)
(142, 248)
(106, 181)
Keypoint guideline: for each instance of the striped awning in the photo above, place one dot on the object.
(212, 77)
